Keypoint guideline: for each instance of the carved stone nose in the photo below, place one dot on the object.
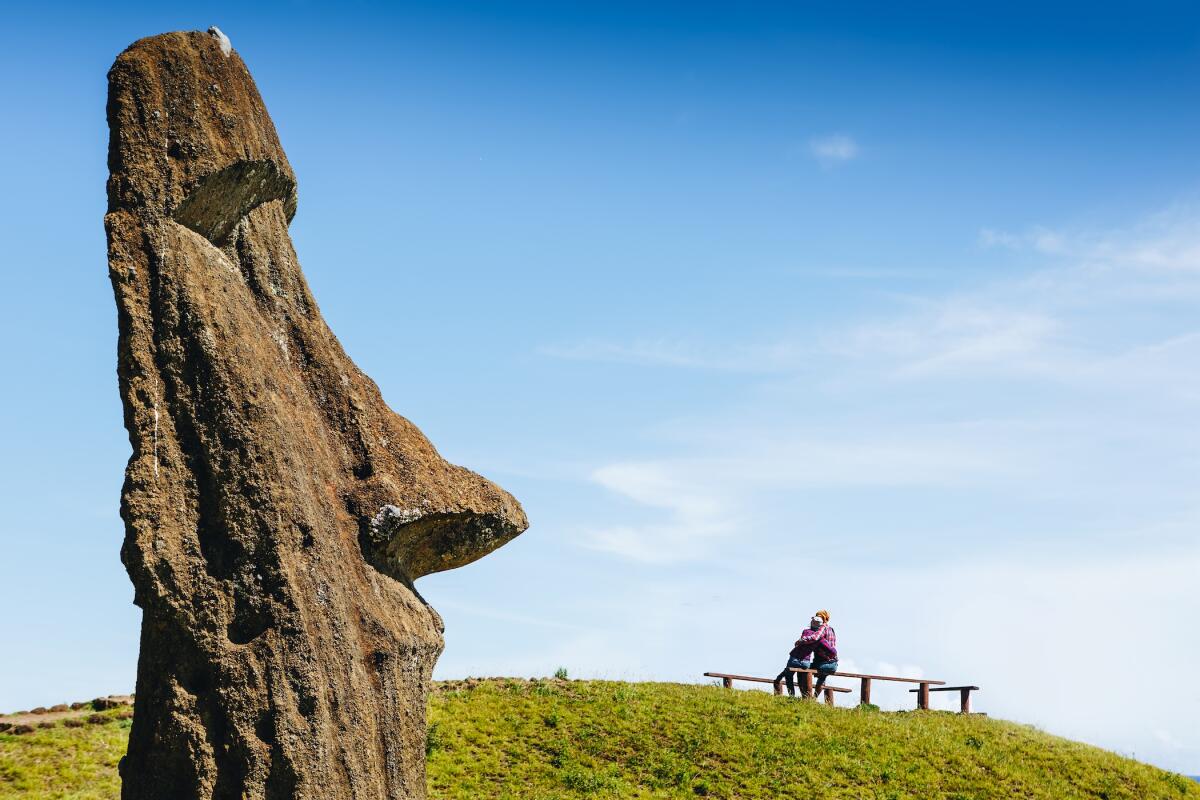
(220, 200)
(409, 543)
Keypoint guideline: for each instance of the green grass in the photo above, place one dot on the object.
(61, 762)
(560, 740)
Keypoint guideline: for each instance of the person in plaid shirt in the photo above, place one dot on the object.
(817, 645)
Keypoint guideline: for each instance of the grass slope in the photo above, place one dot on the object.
(538, 740)
(61, 762)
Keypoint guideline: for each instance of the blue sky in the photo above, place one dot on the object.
(757, 307)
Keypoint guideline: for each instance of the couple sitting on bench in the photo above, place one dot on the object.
(815, 649)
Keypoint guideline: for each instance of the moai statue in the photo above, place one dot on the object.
(276, 510)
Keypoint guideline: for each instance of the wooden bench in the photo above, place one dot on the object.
(964, 695)
(727, 681)
(864, 694)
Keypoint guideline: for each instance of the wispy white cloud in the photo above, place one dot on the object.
(1042, 240)
(953, 334)
(834, 149)
(695, 514)
(703, 504)
(1168, 240)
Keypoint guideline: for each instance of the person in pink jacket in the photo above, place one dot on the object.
(816, 646)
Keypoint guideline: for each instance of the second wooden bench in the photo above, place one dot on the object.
(864, 694)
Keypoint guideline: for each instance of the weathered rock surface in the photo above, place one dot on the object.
(277, 511)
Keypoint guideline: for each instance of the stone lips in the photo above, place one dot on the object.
(277, 511)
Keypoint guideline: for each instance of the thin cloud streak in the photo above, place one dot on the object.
(830, 151)
(1166, 241)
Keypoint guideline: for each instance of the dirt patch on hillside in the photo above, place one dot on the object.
(65, 711)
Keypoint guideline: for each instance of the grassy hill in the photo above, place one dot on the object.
(537, 740)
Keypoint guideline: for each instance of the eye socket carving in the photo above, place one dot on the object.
(220, 200)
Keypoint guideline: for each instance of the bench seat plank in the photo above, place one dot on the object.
(761, 680)
(727, 680)
(855, 674)
(738, 677)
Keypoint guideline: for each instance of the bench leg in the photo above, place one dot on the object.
(806, 684)
(727, 683)
(828, 696)
(923, 697)
(964, 700)
(864, 693)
